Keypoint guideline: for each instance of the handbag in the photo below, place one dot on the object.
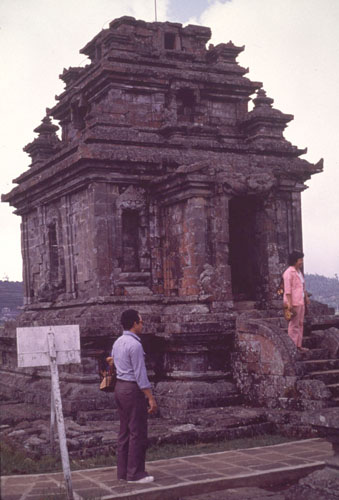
(288, 313)
(108, 378)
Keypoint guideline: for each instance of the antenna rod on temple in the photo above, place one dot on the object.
(155, 9)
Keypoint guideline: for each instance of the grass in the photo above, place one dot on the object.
(182, 450)
(16, 461)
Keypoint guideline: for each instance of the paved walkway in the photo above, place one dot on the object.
(179, 477)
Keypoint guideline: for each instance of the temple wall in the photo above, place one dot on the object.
(185, 246)
(165, 194)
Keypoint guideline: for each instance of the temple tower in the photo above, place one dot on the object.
(164, 193)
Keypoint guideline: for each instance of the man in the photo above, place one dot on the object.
(132, 391)
(295, 297)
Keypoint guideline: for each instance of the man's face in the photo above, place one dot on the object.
(138, 326)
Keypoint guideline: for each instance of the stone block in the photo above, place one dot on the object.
(313, 389)
(330, 341)
(171, 200)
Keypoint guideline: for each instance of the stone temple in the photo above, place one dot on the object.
(171, 190)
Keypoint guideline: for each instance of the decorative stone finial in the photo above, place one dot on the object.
(262, 99)
(264, 125)
(46, 143)
(71, 75)
(224, 52)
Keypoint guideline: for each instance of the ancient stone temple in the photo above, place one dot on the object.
(165, 193)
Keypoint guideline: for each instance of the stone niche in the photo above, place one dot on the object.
(164, 193)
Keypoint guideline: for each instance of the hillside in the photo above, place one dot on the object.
(11, 298)
(324, 289)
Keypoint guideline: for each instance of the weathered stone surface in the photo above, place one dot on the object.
(265, 362)
(245, 493)
(320, 485)
(312, 389)
(326, 421)
(330, 341)
(327, 417)
(177, 398)
(166, 194)
(268, 369)
(88, 436)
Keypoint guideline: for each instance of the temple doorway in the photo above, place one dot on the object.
(248, 248)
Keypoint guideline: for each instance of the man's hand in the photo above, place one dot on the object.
(151, 401)
(153, 408)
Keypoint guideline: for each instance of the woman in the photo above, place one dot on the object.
(295, 296)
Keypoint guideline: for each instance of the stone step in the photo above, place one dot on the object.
(244, 305)
(334, 388)
(328, 376)
(93, 435)
(191, 317)
(168, 410)
(320, 365)
(194, 327)
(313, 354)
(109, 415)
(324, 322)
(277, 321)
(335, 401)
(312, 342)
(211, 424)
(319, 334)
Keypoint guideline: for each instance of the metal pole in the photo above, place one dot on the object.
(59, 415)
(155, 9)
(52, 425)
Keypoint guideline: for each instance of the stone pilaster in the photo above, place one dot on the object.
(68, 239)
(296, 237)
(26, 262)
(165, 194)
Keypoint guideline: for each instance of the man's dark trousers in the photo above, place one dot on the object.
(132, 441)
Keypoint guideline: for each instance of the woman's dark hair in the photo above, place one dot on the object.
(294, 256)
(128, 318)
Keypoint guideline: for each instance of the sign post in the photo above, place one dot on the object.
(52, 424)
(52, 345)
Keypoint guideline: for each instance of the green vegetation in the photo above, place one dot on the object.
(11, 294)
(184, 450)
(11, 298)
(325, 290)
(15, 461)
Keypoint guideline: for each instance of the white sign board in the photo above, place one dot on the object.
(33, 348)
(52, 346)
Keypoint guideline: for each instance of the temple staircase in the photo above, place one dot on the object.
(317, 362)
(316, 370)
(319, 365)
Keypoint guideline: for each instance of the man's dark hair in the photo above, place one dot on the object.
(128, 318)
(294, 256)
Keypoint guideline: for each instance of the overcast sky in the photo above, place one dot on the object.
(291, 46)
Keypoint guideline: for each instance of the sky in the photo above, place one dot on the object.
(290, 45)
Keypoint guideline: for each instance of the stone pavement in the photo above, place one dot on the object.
(178, 478)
